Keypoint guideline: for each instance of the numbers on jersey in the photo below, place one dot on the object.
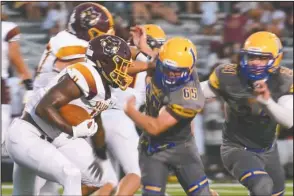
(190, 93)
(230, 69)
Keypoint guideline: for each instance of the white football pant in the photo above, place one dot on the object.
(34, 156)
(122, 140)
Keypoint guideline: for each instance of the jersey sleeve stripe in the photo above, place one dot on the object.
(88, 76)
(12, 33)
(213, 80)
(70, 51)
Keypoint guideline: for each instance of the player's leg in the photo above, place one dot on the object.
(109, 178)
(122, 141)
(28, 150)
(247, 167)
(274, 169)
(154, 175)
(189, 168)
(47, 187)
(80, 152)
(24, 181)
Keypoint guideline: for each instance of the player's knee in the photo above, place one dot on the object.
(262, 186)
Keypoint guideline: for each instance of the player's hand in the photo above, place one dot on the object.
(27, 96)
(86, 128)
(261, 91)
(139, 36)
(130, 104)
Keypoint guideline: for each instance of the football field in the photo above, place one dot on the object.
(174, 189)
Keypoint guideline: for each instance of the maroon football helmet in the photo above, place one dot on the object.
(89, 20)
(112, 57)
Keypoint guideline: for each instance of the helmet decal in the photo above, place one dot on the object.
(89, 17)
(110, 46)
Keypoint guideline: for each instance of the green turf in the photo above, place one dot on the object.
(175, 190)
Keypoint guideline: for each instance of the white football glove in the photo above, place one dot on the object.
(86, 128)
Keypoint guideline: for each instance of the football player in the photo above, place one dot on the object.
(173, 98)
(50, 144)
(87, 21)
(258, 94)
(11, 54)
(121, 136)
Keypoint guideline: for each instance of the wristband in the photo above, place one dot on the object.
(141, 56)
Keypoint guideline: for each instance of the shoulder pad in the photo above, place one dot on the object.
(66, 46)
(223, 70)
(84, 77)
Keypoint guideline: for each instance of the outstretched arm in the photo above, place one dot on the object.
(152, 125)
(281, 111)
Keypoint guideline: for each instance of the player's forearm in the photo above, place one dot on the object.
(138, 66)
(52, 116)
(282, 113)
(17, 60)
(148, 123)
(148, 51)
(98, 140)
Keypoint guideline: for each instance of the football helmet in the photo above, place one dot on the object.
(155, 35)
(112, 57)
(175, 62)
(89, 20)
(264, 45)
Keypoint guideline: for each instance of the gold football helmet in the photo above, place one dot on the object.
(176, 60)
(265, 45)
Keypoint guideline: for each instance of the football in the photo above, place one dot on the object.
(74, 114)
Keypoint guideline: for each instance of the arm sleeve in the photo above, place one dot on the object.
(83, 77)
(13, 34)
(179, 112)
(282, 111)
(207, 91)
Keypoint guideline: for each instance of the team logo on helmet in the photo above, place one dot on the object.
(110, 45)
(89, 17)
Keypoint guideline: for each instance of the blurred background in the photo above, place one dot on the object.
(217, 29)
